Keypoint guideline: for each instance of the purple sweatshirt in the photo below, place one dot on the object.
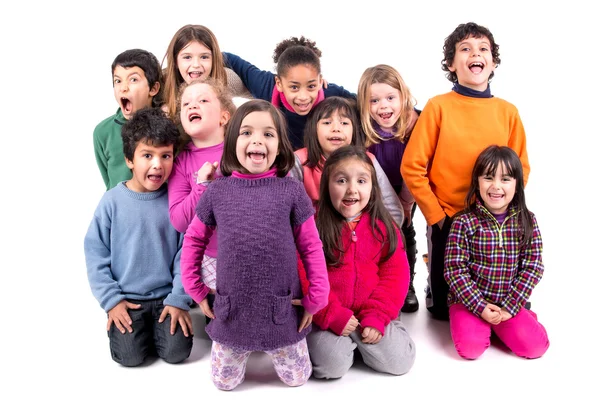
(263, 222)
(184, 192)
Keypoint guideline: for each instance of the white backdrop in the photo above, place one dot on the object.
(56, 59)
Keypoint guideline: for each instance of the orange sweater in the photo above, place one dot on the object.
(450, 134)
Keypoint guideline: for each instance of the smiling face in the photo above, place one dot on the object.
(473, 62)
(194, 61)
(300, 86)
(257, 144)
(151, 166)
(334, 132)
(131, 89)
(385, 106)
(497, 191)
(202, 115)
(350, 185)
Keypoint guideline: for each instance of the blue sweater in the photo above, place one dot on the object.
(262, 83)
(132, 251)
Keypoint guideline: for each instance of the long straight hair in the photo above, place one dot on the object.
(488, 162)
(330, 222)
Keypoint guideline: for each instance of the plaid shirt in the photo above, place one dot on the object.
(483, 262)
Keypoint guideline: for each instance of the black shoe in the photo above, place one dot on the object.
(411, 303)
(527, 305)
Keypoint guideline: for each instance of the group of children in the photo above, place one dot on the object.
(288, 219)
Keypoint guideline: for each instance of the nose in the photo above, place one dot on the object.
(256, 139)
(336, 126)
(124, 86)
(351, 188)
(196, 61)
(156, 163)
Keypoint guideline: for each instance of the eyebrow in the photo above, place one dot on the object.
(251, 126)
(298, 83)
(484, 41)
(189, 52)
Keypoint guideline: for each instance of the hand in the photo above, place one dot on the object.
(350, 326)
(207, 172)
(407, 216)
(324, 83)
(206, 309)
(120, 316)
(177, 316)
(505, 314)
(491, 314)
(440, 223)
(306, 318)
(371, 335)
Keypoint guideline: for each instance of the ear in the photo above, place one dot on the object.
(451, 67)
(225, 117)
(129, 163)
(278, 83)
(154, 89)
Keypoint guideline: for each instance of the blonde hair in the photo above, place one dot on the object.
(388, 75)
(173, 79)
(222, 95)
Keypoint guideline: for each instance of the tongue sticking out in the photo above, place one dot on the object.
(476, 69)
(154, 178)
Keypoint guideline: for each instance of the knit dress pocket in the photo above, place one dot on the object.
(282, 306)
(222, 307)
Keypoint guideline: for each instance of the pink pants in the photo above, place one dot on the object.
(522, 334)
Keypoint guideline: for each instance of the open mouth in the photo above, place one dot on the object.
(303, 107)
(336, 139)
(195, 74)
(257, 156)
(476, 67)
(495, 196)
(126, 105)
(155, 178)
(194, 117)
(349, 202)
(386, 116)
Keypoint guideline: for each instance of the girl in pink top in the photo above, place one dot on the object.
(205, 110)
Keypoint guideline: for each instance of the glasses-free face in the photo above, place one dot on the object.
(257, 145)
(385, 106)
(131, 89)
(194, 61)
(350, 185)
(202, 115)
(334, 132)
(151, 167)
(300, 86)
(498, 190)
(473, 63)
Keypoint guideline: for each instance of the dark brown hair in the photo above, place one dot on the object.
(330, 222)
(325, 109)
(294, 51)
(285, 159)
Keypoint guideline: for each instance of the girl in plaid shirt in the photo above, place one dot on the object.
(493, 261)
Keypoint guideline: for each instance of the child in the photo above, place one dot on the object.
(262, 219)
(297, 87)
(387, 115)
(494, 260)
(194, 54)
(206, 108)
(333, 124)
(136, 80)
(368, 273)
(132, 251)
(451, 132)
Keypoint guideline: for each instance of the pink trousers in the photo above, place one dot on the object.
(522, 334)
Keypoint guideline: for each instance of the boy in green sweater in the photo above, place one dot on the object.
(136, 80)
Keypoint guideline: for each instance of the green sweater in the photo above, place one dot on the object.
(108, 148)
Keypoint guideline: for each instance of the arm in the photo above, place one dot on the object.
(456, 269)
(518, 143)
(101, 159)
(387, 298)
(183, 198)
(178, 298)
(335, 90)
(407, 200)
(530, 273)
(98, 261)
(418, 155)
(259, 83)
(388, 194)
(194, 244)
(310, 250)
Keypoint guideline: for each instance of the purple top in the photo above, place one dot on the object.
(389, 154)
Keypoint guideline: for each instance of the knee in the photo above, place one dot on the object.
(470, 350)
(334, 366)
(534, 351)
(128, 360)
(178, 351)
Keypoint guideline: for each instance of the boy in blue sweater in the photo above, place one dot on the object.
(132, 251)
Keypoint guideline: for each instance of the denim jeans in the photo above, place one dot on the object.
(149, 337)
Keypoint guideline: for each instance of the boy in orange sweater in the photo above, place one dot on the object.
(449, 135)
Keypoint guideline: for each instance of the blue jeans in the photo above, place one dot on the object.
(149, 337)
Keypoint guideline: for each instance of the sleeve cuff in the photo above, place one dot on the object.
(340, 321)
(373, 322)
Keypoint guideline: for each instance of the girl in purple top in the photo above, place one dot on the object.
(264, 219)
(493, 261)
(205, 109)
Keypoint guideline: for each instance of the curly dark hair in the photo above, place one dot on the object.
(464, 31)
(296, 51)
(151, 126)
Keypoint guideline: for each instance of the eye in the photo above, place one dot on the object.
(312, 87)
(374, 101)
(362, 181)
(341, 180)
(294, 87)
(325, 122)
(465, 49)
(203, 101)
(484, 49)
(117, 81)
(186, 103)
(346, 123)
(245, 133)
(205, 57)
(187, 57)
(147, 156)
(507, 179)
(166, 156)
(269, 134)
(486, 178)
(390, 98)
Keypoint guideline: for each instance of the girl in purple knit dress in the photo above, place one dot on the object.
(264, 219)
